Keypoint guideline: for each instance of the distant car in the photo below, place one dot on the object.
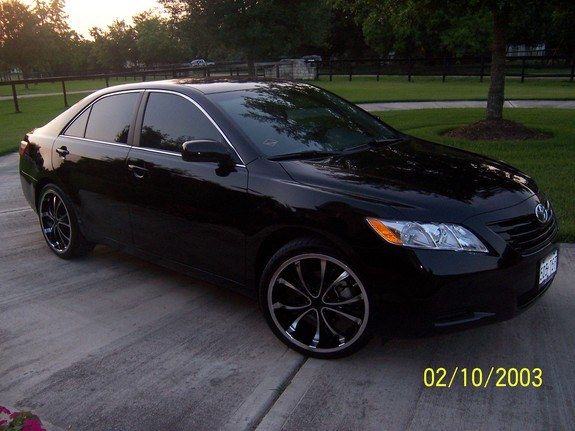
(293, 195)
(312, 58)
(200, 62)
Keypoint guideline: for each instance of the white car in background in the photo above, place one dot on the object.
(200, 62)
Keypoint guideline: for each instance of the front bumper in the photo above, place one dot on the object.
(491, 295)
(440, 290)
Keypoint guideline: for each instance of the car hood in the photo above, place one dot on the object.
(423, 180)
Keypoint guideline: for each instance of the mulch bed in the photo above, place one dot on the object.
(493, 130)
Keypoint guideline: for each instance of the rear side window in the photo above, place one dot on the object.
(78, 126)
(111, 117)
(171, 120)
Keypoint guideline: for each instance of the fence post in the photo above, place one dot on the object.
(523, 69)
(378, 69)
(15, 98)
(444, 69)
(482, 72)
(65, 95)
(330, 69)
(572, 69)
(409, 66)
(350, 69)
(107, 82)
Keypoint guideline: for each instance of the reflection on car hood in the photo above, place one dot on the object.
(423, 180)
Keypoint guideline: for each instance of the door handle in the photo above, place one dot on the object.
(138, 171)
(62, 151)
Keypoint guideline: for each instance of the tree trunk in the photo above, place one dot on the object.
(496, 95)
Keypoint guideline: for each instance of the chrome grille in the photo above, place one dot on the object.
(526, 234)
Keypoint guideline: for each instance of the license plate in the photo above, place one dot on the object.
(548, 267)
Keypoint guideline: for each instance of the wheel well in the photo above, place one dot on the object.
(39, 186)
(271, 244)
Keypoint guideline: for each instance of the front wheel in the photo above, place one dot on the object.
(314, 302)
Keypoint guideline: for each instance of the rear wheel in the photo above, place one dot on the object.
(314, 302)
(60, 225)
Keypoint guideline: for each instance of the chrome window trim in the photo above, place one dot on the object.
(208, 116)
(116, 144)
(169, 153)
(63, 132)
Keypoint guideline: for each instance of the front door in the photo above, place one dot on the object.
(188, 212)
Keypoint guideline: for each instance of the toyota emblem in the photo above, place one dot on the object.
(542, 213)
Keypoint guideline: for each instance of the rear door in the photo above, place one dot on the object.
(89, 158)
(188, 212)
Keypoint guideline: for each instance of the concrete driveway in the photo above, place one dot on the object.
(111, 342)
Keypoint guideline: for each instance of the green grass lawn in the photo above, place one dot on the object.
(35, 113)
(550, 162)
(395, 88)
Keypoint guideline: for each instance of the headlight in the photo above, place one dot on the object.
(435, 236)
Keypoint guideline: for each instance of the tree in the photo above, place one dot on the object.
(37, 38)
(252, 28)
(18, 36)
(115, 47)
(417, 25)
(157, 40)
(55, 37)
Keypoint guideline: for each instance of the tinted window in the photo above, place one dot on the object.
(111, 117)
(291, 118)
(171, 120)
(78, 126)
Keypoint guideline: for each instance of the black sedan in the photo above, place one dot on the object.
(288, 193)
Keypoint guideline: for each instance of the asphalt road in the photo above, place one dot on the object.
(111, 342)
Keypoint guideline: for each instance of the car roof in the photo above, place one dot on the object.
(202, 85)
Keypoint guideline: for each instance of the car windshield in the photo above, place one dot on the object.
(282, 119)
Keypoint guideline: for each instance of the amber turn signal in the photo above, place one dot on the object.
(384, 232)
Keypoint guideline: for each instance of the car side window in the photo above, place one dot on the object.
(111, 116)
(171, 120)
(78, 127)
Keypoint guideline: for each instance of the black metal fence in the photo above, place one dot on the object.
(220, 70)
(522, 67)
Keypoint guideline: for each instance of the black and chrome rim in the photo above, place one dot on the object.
(318, 303)
(55, 221)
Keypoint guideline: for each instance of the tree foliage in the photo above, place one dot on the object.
(251, 28)
(38, 38)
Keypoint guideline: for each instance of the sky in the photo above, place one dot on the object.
(85, 14)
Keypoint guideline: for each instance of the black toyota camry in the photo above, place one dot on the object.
(293, 195)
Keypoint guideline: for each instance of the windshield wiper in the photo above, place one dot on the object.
(304, 155)
(373, 143)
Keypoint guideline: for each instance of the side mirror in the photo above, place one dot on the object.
(206, 150)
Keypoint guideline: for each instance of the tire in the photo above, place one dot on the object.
(314, 302)
(59, 224)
